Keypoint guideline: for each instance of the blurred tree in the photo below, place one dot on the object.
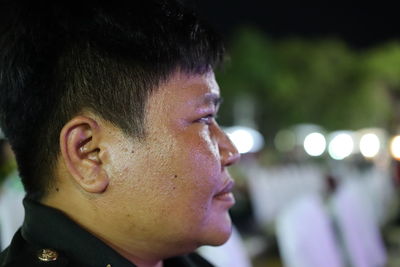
(300, 81)
(382, 65)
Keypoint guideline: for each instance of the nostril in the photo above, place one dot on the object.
(232, 158)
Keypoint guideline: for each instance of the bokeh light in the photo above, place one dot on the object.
(245, 139)
(315, 144)
(285, 140)
(341, 146)
(395, 147)
(370, 145)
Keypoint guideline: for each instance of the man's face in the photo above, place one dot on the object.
(173, 187)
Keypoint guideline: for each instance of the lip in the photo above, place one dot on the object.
(225, 194)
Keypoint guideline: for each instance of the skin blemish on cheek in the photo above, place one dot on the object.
(175, 176)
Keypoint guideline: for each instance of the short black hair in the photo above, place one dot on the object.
(59, 58)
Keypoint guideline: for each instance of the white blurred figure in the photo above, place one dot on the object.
(232, 253)
(359, 229)
(272, 190)
(305, 235)
(11, 195)
(11, 209)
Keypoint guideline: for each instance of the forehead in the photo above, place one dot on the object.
(202, 85)
(186, 90)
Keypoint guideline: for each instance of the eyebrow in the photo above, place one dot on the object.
(214, 99)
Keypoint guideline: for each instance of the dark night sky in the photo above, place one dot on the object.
(359, 26)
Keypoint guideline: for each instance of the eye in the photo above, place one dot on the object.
(208, 119)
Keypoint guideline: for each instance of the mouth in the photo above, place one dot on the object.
(226, 193)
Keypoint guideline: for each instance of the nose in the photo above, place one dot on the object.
(227, 150)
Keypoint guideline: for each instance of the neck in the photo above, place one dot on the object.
(140, 262)
(73, 208)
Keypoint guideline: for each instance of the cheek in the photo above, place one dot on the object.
(205, 154)
(182, 171)
(206, 140)
(197, 163)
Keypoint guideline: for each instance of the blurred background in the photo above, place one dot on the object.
(312, 101)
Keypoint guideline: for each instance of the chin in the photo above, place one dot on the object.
(218, 235)
(222, 238)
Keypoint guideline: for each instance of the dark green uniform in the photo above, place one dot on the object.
(49, 238)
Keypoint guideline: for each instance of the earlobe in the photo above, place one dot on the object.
(80, 141)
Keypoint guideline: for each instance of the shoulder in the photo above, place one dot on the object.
(21, 253)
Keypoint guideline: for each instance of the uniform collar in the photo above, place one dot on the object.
(49, 228)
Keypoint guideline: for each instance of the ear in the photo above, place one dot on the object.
(80, 142)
